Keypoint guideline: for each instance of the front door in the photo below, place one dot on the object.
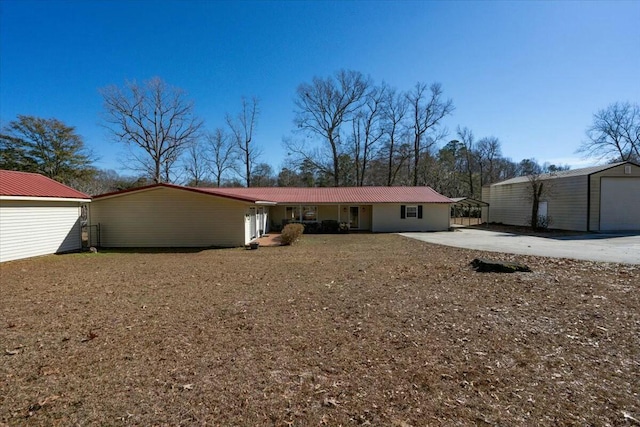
(254, 225)
(354, 217)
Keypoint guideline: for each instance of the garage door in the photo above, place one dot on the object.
(30, 229)
(619, 204)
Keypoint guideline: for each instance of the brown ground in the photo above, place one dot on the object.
(358, 329)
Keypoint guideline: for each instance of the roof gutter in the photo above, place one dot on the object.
(45, 199)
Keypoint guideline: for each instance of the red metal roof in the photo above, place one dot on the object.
(335, 194)
(177, 187)
(309, 195)
(26, 184)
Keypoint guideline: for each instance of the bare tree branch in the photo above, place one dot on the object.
(325, 105)
(155, 121)
(614, 134)
(427, 111)
(242, 128)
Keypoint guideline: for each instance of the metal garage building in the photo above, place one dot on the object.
(38, 216)
(599, 198)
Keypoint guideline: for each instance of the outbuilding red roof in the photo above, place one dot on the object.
(24, 184)
(335, 194)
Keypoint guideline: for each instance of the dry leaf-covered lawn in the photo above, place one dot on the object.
(359, 329)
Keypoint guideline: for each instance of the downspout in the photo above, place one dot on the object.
(589, 202)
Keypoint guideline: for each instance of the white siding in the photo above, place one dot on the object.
(508, 204)
(567, 202)
(167, 217)
(31, 228)
(571, 206)
(386, 218)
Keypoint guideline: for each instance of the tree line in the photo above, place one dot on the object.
(348, 131)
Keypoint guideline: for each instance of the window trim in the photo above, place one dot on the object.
(411, 211)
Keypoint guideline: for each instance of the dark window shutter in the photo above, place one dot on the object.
(419, 211)
(403, 211)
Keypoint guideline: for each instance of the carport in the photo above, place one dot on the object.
(467, 205)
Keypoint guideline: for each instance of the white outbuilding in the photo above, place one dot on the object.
(600, 198)
(38, 216)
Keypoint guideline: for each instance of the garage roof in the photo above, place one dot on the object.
(25, 184)
(564, 174)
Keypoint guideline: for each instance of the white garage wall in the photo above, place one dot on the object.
(508, 203)
(595, 196)
(620, 204)
(31, 228)
(168, 217)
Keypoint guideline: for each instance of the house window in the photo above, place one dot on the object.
(292, 213)
(309, 213)
(412, 212)
(301, 213)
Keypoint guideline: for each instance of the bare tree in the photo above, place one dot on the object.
(427, 110)
(394, 126)
(538, 189)
(154, 120)
(323, 106)
(488, 151)
(367, 131)
(242, 128)
(106, 181)
(221, 155)
(467, 143)
(263, 176)
(196, 165)
(614, 134)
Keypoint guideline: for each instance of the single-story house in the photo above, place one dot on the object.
(38, 216)
(599, 198)
(167, 215)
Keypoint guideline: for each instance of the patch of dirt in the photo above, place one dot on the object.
(359, 329)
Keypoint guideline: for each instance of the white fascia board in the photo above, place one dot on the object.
(264, 202)
(44, 199)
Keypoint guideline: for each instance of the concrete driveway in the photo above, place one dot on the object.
(624, 248)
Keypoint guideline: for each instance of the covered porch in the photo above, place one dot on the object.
(356, 216)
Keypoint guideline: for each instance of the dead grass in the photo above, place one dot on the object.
(336, 330)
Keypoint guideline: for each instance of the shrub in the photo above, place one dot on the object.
(543, 222)
(330, 226)
(312, 228)
(291, 233)
(275, 227)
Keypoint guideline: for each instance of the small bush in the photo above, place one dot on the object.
(291, 233)
(330, 226)
(543, 222)
(344, 227)
(312, 228)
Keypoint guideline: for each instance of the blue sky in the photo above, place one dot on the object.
(530, 73)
